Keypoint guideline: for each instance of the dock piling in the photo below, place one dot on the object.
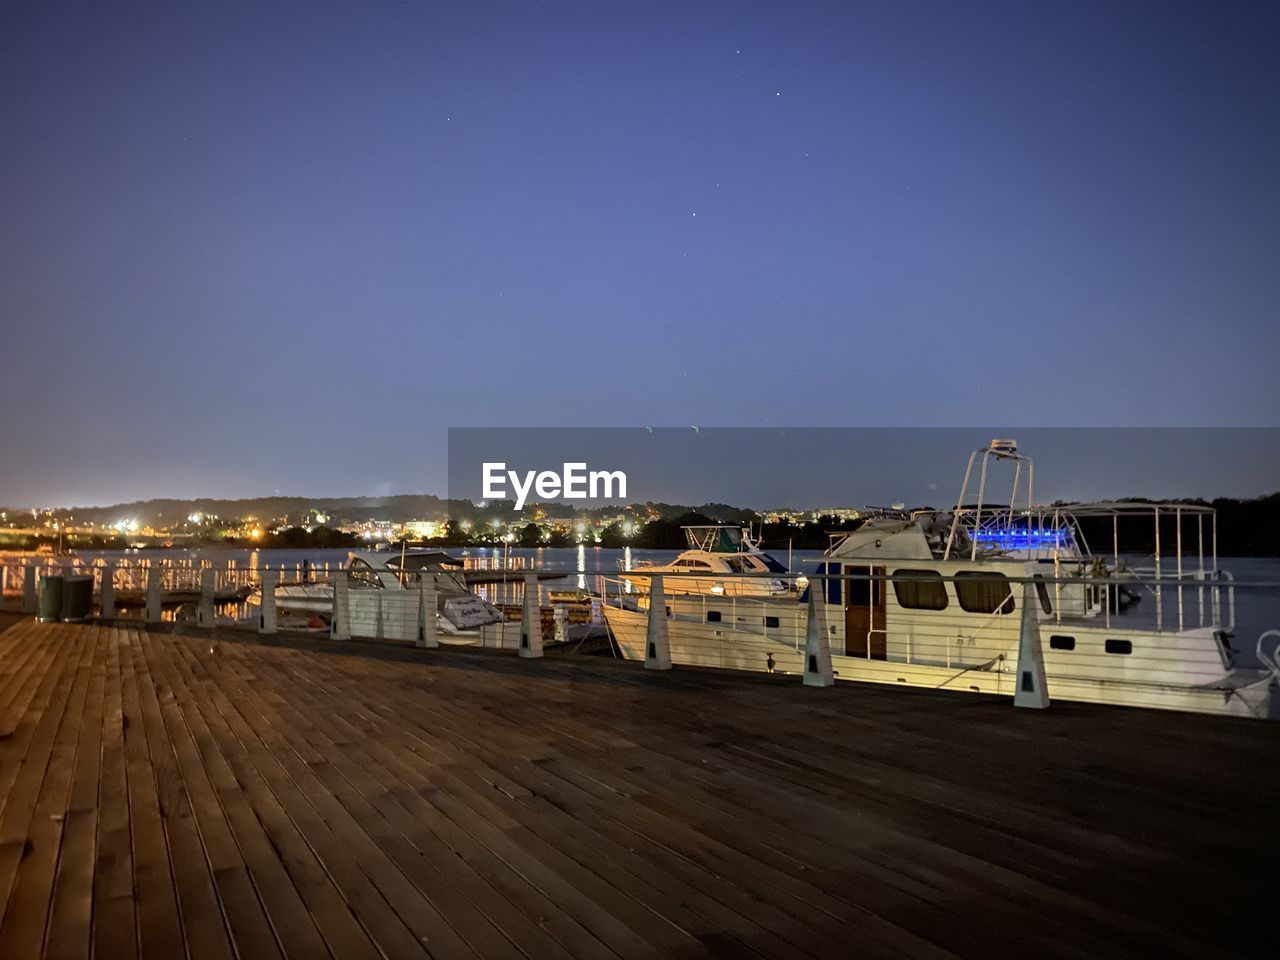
(1032, 691)
(267, 609)
(817, 645)
(531, 619)
(657, 643)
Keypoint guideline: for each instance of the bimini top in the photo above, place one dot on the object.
(1121, 508)
(715, 539)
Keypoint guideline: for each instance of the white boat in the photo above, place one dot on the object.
(373, 574)
(936, 599)
(721, 561)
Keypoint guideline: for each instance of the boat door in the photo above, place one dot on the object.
(864, 620)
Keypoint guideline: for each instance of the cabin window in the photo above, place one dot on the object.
(713, 616)
(861, 590)
(919, 590)
(1119, 646)
(1042, 591)
(700, 564)
(734, 564)
(771, 621)
(984, 592)
(1062, 643)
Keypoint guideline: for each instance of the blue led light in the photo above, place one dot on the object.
(1022, 538)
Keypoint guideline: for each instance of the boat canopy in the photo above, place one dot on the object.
(417, 559)
(714, 539)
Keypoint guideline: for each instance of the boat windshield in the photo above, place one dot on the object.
(416, 561)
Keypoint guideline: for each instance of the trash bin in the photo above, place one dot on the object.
(49, 602)
(77, 598)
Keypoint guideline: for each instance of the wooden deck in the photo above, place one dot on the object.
(166, 794)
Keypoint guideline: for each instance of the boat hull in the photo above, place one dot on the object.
(1242, 693)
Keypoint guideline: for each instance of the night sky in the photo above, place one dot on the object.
(247, 249)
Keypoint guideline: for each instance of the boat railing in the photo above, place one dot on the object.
(1181, 602)
(495, 562)
(179, 580)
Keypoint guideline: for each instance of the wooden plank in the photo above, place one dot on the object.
(246, 918)
(22, 932)
(204, 930)
(26, 756)
(20, 662)
(114, 926)
(140, 913)
(288, 914)
(71, 914)
(283, 805)
(475, 789)
(477, 798)
(213, 795)
(799, 734)
(434, 869)
(459, 843)
(590, 851)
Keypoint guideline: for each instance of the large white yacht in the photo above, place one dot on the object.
(719, 561)
(937, 599)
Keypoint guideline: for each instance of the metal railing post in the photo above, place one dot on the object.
(340, 618)
(155, 593)
(817, 645)
(657, 643)
(204, 612)
(428, 627)
(29, 598)
(531, 619)
(107, 593)
(1032, 690)
(267, 607)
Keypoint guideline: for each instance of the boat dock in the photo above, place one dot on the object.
(170, 792)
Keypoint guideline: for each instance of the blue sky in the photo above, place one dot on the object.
(248, 248)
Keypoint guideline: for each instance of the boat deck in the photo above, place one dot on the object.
(171, 793)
